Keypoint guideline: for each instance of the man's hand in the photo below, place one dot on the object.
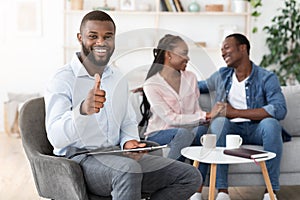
(230, 111)
(132, 144)
(95, 99)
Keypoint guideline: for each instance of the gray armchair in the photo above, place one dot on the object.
(55, 177)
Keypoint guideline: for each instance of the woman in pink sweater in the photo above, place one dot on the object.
(170, 105)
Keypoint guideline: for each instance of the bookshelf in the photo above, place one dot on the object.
(202, 27)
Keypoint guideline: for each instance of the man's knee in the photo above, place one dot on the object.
(129, 166)
(219, 123)
(271, 127)
(190, 174)
(195, 177)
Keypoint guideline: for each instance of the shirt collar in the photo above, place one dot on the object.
(80, 71)
(253, 73)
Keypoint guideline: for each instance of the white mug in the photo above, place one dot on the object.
(233, 141)
(208, 141)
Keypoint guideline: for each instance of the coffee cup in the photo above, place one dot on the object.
(233, 141)
(208, 141)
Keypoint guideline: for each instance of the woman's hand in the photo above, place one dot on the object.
(217, 110)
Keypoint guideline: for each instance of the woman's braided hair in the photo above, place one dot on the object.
(167, 43)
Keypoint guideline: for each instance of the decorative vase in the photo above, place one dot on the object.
(239, 6)
(194, 7)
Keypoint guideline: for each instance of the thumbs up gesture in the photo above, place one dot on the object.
(95, 99)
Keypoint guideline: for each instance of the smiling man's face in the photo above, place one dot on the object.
(98, 41)
(231, 52)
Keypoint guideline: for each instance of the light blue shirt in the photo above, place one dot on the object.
(115, 124)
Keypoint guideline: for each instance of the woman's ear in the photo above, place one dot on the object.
(168, 55)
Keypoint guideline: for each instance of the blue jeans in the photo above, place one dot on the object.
(125, 178)
(180, 138)
(176, 138)
(266, 132)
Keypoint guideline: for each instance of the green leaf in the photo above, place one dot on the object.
(283, 42)
(254, 30)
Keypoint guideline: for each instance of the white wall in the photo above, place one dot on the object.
(268, 10)
(28, 61)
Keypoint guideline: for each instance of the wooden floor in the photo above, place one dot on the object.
(16, 181)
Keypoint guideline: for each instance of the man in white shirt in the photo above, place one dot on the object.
(87, 108)
(254, 105)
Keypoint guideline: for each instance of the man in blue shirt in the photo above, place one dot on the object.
(87, 108)
(253, 102)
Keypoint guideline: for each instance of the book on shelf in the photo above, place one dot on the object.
(163, 5)
(178, 5)
(171, 5)
(246, 153)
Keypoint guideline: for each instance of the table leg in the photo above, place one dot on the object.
(196, 164)
(267, 179)
(212, 181)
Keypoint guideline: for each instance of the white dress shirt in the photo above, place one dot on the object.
(113, 125)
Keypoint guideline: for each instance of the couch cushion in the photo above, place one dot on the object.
(291, 123)
(290, 160)
(205, 101)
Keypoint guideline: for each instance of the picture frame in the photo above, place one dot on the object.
(128, 5)
(28, 17)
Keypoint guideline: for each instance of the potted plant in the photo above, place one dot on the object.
(255, 4)
(283, 41)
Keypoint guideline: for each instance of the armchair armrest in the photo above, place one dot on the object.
(51, 173)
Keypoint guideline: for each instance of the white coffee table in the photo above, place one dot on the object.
(216, 156)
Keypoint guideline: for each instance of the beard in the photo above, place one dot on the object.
(91, 57)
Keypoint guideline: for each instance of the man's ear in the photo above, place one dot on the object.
(79, 38)
(243, 47)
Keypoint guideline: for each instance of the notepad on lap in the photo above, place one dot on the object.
(246, 153)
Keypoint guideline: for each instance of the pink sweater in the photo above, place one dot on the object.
(170, 109)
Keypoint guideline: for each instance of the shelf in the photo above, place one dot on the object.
(209, 27)
(203, 13)
(79, 12)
